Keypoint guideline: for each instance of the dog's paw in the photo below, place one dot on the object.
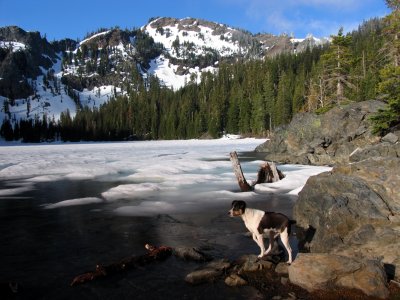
(261, 256)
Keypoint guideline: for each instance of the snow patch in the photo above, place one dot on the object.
(296, 177)
(14, 46)
(130, 191)
(74, 202)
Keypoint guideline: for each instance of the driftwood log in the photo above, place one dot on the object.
(153, 254)
(267, 173)
(131, 262)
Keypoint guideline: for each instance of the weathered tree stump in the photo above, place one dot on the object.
(267, 173)
(244, 186)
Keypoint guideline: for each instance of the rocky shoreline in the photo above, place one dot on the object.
(272, 279)
(348, 218)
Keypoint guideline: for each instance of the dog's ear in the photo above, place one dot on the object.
(239, 205)
(242, 205)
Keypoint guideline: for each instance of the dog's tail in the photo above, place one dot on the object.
(291, 222)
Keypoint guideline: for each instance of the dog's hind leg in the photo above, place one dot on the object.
(285, 242)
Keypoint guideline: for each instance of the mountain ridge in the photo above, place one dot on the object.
(43, 79)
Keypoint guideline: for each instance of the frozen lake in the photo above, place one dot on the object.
(66, 207)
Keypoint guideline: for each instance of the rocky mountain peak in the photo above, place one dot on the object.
(112, 61)
(108, 38)
(190, 24)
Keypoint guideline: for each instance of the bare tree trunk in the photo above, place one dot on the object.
(244, 186)
(339, 89)
(363, 64)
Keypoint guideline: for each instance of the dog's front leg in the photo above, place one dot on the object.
(271, 242)
(258, 238)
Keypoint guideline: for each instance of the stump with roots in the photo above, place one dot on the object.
(267, 173)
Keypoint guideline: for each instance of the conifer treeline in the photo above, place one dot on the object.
(252, 97)
(248, 98)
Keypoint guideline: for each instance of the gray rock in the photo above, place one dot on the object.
(335, 204)
(221, 264)
(251, 263)
(390, 138)
(314, 271)
(284, 280)
(189, 253)
(323, 139)
(211, 272)
(354, 210)
(291, 296)
(235, 280)
(373, 151)
(382, 176)
(203, 276)
(282, 269)
(375, 241)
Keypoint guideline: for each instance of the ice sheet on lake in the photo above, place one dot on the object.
(14, 191)
(151, 177)
(131, 191)
(94, 160)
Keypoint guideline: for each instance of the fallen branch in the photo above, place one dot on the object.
(154, 254)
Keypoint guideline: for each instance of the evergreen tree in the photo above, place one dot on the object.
(337, 62)
(283, 106)
(6, 130)
(393, 4)
(299, 91)
(258, 115)
(389, 86)
(269, 96)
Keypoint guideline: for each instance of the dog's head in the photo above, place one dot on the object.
(238, 208)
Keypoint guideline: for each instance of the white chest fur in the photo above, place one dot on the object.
(252, 218)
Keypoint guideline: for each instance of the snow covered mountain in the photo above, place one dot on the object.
(40, 80)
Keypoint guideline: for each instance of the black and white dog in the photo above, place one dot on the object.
(258, 222)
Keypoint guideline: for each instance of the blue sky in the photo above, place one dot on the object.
(75, 18)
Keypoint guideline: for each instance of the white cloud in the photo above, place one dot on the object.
(320, 17)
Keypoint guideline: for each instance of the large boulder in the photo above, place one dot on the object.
(324, 139)
(318, 271)
(382, 176)
(334, 205)
(353, 210)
